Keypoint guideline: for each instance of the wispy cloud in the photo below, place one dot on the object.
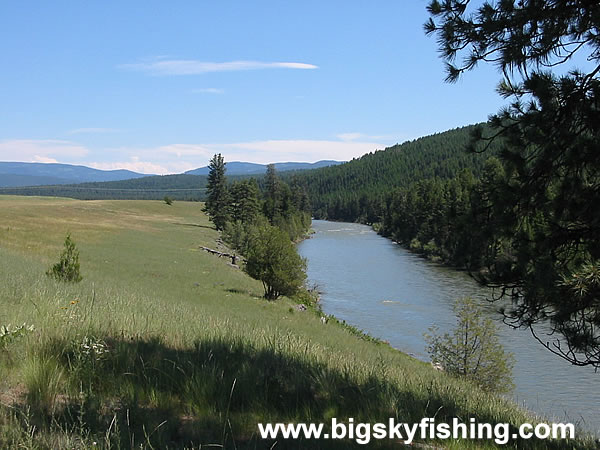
(92, 130)
(46, 150)
(296, 150)
(208, 91)
(134, 164)
(195, 67)
(177, 158)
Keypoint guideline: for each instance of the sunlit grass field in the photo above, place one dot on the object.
(163, 345)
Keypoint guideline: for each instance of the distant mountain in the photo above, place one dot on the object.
(18, 174)
(15, 180)
(13, 174)
(245, 168)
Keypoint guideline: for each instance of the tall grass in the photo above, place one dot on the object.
(164, 346)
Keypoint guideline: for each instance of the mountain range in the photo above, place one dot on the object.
(17, 174)
(13, 174)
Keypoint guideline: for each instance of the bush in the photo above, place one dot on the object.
(473, 350)
(67, 269)
(168, 200)
(272, 258)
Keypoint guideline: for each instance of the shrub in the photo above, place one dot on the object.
(273, 259)
(473, 350)
(67, 268)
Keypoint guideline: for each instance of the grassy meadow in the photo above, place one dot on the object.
(163, 345)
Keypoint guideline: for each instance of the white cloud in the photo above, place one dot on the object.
(134, 165)
(195, 67)
(208, 91)
(295, 150)
(44, 150)
(43, 159)
(161, 160)
(185, 150)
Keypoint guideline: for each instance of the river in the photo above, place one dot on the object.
(392, 294)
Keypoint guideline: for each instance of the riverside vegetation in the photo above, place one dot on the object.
(165, 346)
(261, 226)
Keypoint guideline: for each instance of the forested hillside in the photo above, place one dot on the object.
(356, 191)
(246, 168)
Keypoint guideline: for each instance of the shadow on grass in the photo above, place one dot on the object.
(208, 227)
(143, 392)
(238, 291)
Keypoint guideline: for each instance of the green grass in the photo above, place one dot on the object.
(165, 346)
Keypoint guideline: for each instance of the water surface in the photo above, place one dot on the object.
(392, 294)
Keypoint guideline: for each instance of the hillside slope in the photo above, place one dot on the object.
(356, 189)
(245, 168)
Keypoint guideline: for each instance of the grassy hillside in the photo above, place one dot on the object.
(165, 346)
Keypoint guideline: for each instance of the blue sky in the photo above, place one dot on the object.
(159, 87)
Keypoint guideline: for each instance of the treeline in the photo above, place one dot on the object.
(431, 195)
(176, 187)
(356, 191)
(245, 201)
(261, 225)
(445, 219)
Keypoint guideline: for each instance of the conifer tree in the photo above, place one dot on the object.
(217, 201)
(545, 220)
(245, 201)
(272, 194)
(67, 268)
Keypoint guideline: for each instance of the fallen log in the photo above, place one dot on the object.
(233, 257)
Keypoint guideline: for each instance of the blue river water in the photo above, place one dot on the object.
(392, 294)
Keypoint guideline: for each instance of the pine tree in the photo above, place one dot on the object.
(217, 201)
(67, 268)
(273, 193)
(245, 201)
(544, 218)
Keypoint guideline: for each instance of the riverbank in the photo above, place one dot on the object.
(164, 345)
(396, 296)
